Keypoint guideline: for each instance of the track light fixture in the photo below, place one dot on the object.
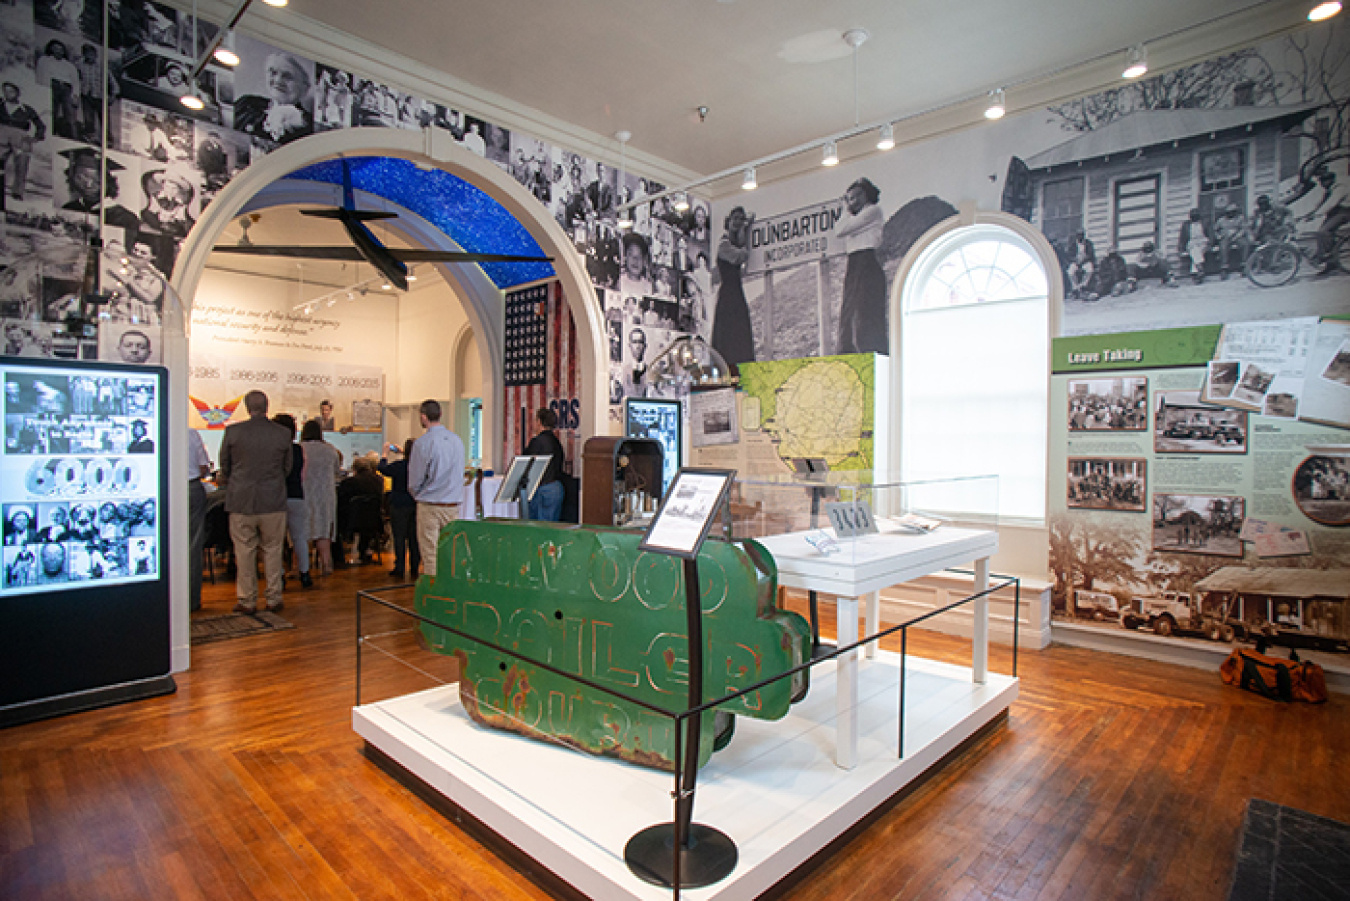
(225, 54)
(748, 182)
(1324, 11)
(220, 48)
(192, 99)
(887, 139)
(998, 105)
(1136, 62)
(831, 155)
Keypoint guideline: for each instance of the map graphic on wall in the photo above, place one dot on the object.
(815, 407)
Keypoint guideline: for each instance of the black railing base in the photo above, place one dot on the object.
(707, 858)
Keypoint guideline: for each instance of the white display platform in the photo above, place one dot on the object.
(872, 562)
(775, 790)
(862, 568)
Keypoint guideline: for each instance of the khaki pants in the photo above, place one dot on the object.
(249, 533)
(431, 518)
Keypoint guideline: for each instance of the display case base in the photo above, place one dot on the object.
(775, 791)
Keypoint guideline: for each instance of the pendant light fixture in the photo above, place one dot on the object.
(748, 181)
(190, 97)
(886, 141)
(1323, 11)
(225, 53)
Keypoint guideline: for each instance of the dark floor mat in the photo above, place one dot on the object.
(1291, 855)
(236, 625)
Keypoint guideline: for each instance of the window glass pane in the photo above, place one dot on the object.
(979, 272)
(975, 373)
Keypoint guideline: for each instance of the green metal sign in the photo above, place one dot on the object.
(585, 600)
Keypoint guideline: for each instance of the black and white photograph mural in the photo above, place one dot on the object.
(1207, 194)
(1202, 194)
(166, 165)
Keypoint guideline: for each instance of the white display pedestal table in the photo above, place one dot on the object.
(863, 567)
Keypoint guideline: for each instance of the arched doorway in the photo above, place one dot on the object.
(430, 149)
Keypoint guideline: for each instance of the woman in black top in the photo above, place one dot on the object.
(402, 514)
(297, 515)
(546, 505)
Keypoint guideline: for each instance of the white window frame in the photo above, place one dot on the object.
(918, 263)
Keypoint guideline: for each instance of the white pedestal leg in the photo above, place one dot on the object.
(980, 651)
(872, 623)
(846, 681)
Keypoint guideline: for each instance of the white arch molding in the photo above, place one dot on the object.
(429, 147)
(967, 216)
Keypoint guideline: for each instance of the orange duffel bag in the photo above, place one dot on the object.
(1275, 677)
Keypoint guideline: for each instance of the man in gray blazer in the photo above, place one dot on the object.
(255, 458)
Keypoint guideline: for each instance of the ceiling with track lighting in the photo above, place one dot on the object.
(773, 74)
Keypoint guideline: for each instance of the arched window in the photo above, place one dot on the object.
(974, 339)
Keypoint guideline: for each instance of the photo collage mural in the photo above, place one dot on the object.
(1193, 471)
(653, 281)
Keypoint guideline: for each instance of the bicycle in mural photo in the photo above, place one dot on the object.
(1277, 262)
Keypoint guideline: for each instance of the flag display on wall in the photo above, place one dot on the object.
(541, 368)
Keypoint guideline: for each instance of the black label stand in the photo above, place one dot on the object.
(685, 854)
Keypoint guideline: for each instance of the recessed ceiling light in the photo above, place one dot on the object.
(1324, 11)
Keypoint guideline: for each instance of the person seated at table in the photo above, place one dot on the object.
(359, 499)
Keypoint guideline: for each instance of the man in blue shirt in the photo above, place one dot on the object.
(435, 480)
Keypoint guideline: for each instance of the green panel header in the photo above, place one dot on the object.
(1135, 350)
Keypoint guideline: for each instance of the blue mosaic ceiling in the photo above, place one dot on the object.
(470, 218)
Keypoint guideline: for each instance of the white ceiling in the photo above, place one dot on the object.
(774, 74)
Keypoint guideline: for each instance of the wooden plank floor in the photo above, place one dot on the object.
(1112, 778)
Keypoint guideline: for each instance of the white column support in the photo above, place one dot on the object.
(979, 663)
(846, 685)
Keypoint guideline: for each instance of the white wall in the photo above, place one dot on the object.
(413, 337)
(361, 331)
(429, 322)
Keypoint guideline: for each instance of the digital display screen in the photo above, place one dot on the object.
(659, 420)
(80, 476)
